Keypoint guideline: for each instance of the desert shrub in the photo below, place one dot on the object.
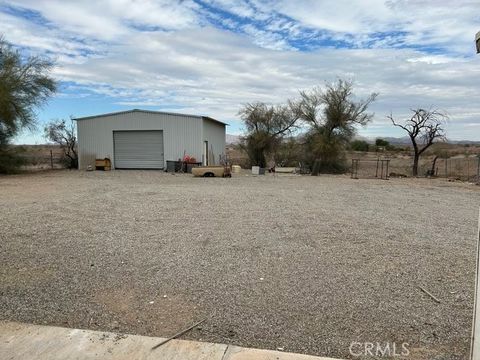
(359, 145)
(290, 152)
(10, 160)
(381, 142)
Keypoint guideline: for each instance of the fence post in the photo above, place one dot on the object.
(478, 169)
(376, 170)
(51, 159)
(354, 169)
(468, 168)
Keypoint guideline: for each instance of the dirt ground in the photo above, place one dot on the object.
(309, 264)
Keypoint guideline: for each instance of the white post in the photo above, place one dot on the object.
(475, 344)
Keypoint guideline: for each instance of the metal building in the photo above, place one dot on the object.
(141, 139)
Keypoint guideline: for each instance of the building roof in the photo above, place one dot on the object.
(148, 112)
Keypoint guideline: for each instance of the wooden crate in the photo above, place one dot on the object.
(103, 164)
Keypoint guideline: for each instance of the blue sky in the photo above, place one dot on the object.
(211, 56)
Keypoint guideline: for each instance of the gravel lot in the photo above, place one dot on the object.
(303, 263)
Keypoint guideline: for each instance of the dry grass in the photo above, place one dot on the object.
(462, 162)
(463, 167)
(40, 157)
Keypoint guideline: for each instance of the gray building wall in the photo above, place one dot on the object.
(181, 134)
(214, 133)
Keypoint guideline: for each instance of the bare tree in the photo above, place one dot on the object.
(63, 134)
(424, 128)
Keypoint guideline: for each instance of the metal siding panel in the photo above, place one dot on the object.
(138, 149)
(181, 134)
(214, 133)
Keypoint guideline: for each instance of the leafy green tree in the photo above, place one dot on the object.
(332, 115)
(385, 145)
(25, 84)
(359, 145)
(381, 142)
(265, 126)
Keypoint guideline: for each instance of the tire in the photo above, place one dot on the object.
(209, 174)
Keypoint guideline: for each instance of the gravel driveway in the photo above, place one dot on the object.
(309, 264)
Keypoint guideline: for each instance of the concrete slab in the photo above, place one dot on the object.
(239, 353)
(25, 341)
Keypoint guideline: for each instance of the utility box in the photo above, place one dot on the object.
(257, 170)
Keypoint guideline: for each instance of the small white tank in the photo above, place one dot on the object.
(236, 169)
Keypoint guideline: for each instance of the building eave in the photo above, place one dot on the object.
(148, 112)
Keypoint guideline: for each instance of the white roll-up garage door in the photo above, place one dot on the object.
(138, 149)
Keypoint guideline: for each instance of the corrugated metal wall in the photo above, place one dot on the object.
(214, 133)
(181, 133)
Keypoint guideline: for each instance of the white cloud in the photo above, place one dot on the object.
(341, 16)
(190, 66)
(201, 79)
(106, 19)
(374, 23)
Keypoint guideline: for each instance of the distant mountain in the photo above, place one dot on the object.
(405, 140)
(464, 142)
(400, 141)
(397, 141)
(392, 140)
